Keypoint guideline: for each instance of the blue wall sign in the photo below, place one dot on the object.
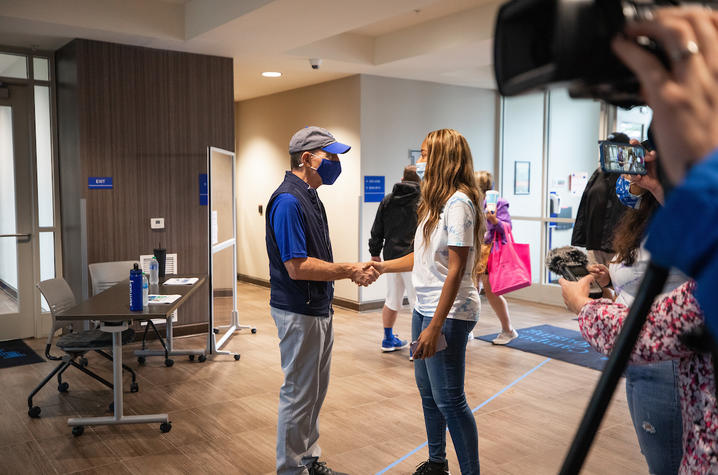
(99, 182)
(373, 189)
(203, 190)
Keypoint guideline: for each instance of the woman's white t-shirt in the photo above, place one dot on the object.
(626, 279)
(431, 262)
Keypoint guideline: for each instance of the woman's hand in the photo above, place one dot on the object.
(575, 294)
(491, 217)
(427, 342)
(600, 274)
(684, 94)
(377, 265)
(649, 181)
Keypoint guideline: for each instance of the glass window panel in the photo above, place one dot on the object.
(47, 261)
(557, 235)
(572, 151)
(7, 172)
(8, 276)
(223, 282)
(8, 246)
(522, 144)
(43, 142)
(529, 232)
(634, 122)
(41, 69)
(13, 66)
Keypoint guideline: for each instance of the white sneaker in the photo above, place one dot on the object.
(471, 336)
(505, 337)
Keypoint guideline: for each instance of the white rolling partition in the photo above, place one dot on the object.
(222, 230)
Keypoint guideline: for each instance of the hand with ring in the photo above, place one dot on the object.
(683, 96)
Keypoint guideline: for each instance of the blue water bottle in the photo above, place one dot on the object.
(136, 289)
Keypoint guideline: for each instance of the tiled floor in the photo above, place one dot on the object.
(224, 412)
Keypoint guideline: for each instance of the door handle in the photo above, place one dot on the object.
(28, 235)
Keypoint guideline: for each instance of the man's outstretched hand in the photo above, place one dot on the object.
(364, 273)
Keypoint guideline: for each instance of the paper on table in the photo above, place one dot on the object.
(158, 299)
(181, 281)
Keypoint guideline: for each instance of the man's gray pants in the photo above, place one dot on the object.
(305, 344)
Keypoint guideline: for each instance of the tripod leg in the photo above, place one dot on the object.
(651, 286)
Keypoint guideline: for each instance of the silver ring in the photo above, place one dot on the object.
(689, 50)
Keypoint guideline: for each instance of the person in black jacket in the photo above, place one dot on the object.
(598, 213)
(393, 229)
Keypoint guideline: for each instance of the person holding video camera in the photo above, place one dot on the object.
(446, 244)
(683, 93)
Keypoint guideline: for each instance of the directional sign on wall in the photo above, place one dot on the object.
(373, 189)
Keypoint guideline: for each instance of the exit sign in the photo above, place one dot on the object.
(99, 182)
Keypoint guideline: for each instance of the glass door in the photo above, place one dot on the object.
(549, 149)
(29, 220)
(17, 293)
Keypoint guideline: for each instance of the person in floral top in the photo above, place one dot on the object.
(672, 315)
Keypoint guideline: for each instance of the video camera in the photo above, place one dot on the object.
(542, 42)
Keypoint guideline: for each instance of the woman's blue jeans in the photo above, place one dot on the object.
(440, 380)
(655, 407)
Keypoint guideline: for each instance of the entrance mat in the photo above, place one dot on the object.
(17, 353)
(556, 343)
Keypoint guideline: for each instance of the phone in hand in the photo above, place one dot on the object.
(576, 273)
(617, 157)
(440, 346)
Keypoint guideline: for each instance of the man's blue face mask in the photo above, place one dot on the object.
(623, 192)
(328, 170)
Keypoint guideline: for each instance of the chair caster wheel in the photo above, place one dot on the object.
(62, 387)
(166, 427)
(254, 330)
(34, 412)
(191, 357)
(202, 358)
(111, 407)
(169, 362)
(134, 387)
(78, 430)
(216, 331)
(141, 359)
(237, 357)
(84, 362)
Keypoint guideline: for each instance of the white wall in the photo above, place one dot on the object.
(381, 119)
(396, 115)
(264, 127)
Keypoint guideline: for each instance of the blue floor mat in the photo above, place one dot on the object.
(556, 343)
(17, 353)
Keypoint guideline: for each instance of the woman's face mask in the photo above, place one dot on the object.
(623, 192)
(421, 169)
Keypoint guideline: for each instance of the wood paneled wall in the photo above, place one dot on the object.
(145, 117)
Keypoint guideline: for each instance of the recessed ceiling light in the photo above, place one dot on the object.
(271, 74)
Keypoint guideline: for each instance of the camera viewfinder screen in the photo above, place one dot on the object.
(622, 158)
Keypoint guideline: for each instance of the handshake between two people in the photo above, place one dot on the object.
(365, 273)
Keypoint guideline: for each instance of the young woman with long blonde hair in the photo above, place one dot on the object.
(446, 244)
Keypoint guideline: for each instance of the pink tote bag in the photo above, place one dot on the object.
(509, 265)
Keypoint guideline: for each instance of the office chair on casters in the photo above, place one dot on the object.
(75, 344)
(104, 275)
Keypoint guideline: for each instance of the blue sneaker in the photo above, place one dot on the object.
(393, 344)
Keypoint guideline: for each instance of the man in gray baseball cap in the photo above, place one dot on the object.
(302, 273)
